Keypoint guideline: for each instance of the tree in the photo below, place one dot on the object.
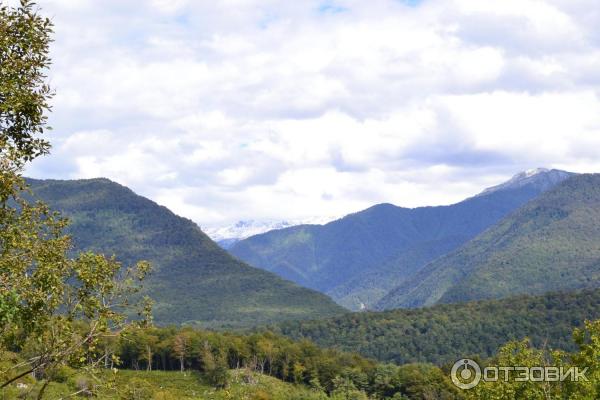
(522, 354)
(425, 381)
(385, 381)
(54, 309)
(344, 389)
(214, 367)
(149, 342)
(181, 348)
(24, 94)
(587, 339)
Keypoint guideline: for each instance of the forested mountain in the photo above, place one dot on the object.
(194, 280)
(550, 244)
(360, 258)
(448, 332)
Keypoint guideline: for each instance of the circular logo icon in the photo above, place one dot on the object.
(465, 374)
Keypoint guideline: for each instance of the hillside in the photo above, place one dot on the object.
(445, 333)
(170, 385)
(358, 259)
(194, 281)
(550, 244)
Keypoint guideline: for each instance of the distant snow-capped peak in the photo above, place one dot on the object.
(227, 235)
(544, 178)
(243, 229)
(531, 172)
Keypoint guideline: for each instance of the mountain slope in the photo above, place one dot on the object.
(551, 243)
(448, 332)
(194, 281)
(359, 258)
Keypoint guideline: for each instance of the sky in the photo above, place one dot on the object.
(245, 109)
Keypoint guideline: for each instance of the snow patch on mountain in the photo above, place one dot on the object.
(227, 236)
(542, 178)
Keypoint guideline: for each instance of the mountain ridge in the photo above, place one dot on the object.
(549, 178)
(548, 244)
(359, 258)
(195, 281)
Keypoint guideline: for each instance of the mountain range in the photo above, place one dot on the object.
(359, 259)
(194, 280)
(550, 244)
(536, 233)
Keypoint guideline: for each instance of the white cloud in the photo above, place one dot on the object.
(243, 109)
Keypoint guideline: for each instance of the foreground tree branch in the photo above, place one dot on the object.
(54, 308)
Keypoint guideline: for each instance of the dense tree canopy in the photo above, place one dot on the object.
(338, 374)
(445, 333)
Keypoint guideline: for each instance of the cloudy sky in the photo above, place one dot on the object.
(235, 109)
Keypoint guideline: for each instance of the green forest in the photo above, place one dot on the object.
(221, 360)
(445, 333)
(186, 363)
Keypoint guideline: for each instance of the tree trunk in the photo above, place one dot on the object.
(149, 356)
